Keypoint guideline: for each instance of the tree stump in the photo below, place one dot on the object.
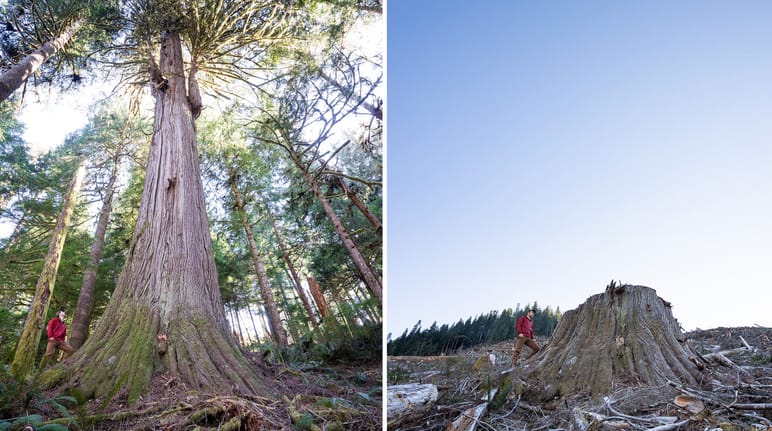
(625, 335)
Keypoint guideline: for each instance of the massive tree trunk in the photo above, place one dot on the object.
(168, 288)
(371, 280)
(29, 340)
(277, 330)
(293, 273)
(82, 315)
(14, 77)
(625, 334)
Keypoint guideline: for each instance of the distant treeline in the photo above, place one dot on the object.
(485, 328)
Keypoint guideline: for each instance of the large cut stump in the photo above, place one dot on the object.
(625, 335)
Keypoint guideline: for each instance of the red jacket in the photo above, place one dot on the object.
(524, 326)
(56, 329)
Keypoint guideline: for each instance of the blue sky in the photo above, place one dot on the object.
(538, 150)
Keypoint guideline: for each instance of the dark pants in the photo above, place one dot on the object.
(519, 346)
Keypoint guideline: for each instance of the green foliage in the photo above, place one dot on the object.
(11, 321)
(22, 403)
(491, 328)
(334, 343)
(28, 25)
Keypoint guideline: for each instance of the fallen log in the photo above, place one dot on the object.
(670, 426)
(753, 406)
(409, 401)
(469, 419)
(746, 344)
(724, 352)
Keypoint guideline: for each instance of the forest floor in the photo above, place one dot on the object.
(736, 394)
(314, 397)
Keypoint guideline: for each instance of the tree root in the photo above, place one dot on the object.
(230, 413)
(332, 413)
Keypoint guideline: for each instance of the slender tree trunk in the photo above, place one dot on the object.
(277, 330)
(294, 332)
(254, 326)
(82, 316)
(238, 325)
(296, 298)
(14, 77)
(361, 205)
(24, 358)
(343, 317)
(371, 280)
(316, 292)
(293, 273)
(263, 322)
(374, 312)
(169, 286)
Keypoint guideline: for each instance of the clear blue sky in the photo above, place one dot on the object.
(538, 150)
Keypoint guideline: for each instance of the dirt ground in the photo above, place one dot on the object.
(314, 397)
(736, 394)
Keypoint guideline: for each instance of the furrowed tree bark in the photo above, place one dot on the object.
(316, 292)
(168, 288)
(626, 334)
(14, 77)
(29, 340)
(277, 330)
(370, 279)
(293, 273)
(361, 205)
(82, 315)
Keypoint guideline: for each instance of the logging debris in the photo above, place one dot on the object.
(735, 395)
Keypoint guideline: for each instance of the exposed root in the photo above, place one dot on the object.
(231, 413)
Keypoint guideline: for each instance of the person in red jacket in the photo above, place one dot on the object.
(57, 332)
(524, 329)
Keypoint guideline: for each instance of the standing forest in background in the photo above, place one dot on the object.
(488, 328)
(219, 215)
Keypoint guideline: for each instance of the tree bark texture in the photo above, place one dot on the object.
(371, 280)
(82, 315)
(14, 77)
(168, 289)
(409, 401)
(316, 292)
(278, 333)
(361, 205)
(293, 273)
(627, 333)
(34, 326)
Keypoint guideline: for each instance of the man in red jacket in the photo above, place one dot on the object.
(524, 329)
(57, 331)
